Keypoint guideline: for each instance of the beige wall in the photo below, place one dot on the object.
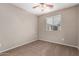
(68, 29)
(78, 25)
(17, 27)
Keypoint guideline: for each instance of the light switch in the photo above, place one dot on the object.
(0, 44)
(63, 39)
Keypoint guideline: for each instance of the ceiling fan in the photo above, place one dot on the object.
(43, 6)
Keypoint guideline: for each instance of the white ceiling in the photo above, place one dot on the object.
(37, 11)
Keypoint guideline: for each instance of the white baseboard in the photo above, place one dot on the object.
(61, 44)
(18, 45)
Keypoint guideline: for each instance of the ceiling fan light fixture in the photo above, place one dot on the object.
(43, 6)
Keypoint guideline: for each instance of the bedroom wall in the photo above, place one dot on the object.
(78, 24)
(68, 33)
(17, 27)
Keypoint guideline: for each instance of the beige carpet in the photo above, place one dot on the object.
(42, 48)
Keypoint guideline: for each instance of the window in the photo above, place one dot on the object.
(53, 22)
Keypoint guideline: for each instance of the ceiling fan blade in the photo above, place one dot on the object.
(49, 5)
(35, 6)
